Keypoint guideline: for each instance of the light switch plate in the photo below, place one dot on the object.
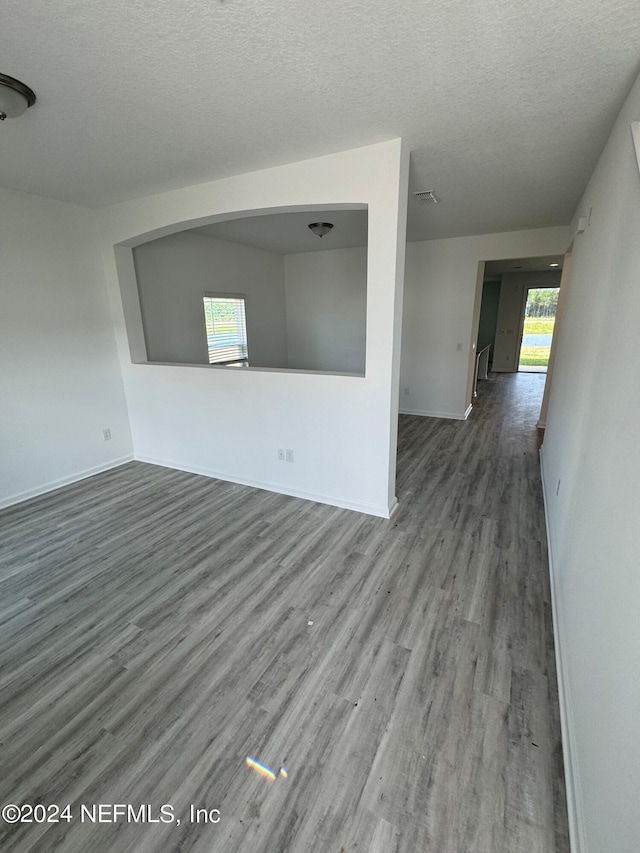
(635, 131)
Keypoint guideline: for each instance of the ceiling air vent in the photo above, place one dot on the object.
(426, 197)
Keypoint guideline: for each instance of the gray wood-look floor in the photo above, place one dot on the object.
(156, 630)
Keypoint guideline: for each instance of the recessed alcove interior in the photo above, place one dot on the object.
(304, 296)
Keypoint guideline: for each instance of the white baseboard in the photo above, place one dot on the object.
(457, 416)
(393, 509)
(575, 810)
(63, 481)
(279, 488)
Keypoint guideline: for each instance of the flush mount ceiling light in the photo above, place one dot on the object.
(321, 228)
(554, 265)
(15, 97)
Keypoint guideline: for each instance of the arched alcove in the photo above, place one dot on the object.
(283, 297)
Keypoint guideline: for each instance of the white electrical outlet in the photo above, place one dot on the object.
(289, 455)
(281, 454)
(106, 434)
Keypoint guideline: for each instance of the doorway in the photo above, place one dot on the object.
(538, 323)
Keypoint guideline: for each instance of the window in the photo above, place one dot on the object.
(226, 326)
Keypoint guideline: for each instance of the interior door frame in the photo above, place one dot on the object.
(557, 330)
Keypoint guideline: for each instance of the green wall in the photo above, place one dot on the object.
(488, 315)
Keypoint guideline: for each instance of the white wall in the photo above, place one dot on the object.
(441, 308)
(230, 423)
(60, 382)
(326, 298)
(591, 449)
(175, 271)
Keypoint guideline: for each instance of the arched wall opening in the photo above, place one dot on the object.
(283, 298)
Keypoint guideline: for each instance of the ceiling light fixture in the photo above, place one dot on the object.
(554, 265)
(15, 97)
(321, 228)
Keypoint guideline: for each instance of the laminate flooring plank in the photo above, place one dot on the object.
(557, 765)
(158, 627)
(530, 825)
(447, 783)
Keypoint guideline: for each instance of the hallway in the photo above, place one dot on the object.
(158, 627)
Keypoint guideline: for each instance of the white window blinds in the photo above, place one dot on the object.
(226, 327)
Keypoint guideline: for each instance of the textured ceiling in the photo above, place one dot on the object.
(505, 104)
